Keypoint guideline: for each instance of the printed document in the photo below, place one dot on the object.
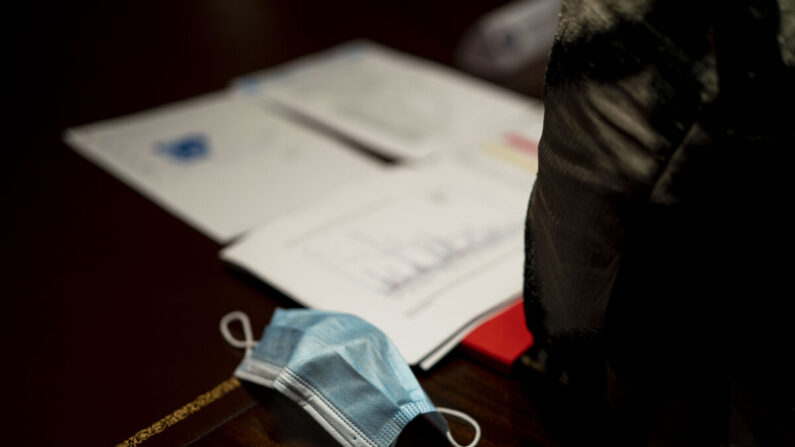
(399, 105)
(221, 163)
(420, 252)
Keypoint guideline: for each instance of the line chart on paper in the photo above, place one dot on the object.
(407, 250)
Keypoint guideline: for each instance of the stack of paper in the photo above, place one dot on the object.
(423, 250)
(420, 253)
(220, 163)
(399, 105)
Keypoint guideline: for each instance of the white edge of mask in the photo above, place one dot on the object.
(288, 383)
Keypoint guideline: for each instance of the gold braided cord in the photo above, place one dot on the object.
(182, 413)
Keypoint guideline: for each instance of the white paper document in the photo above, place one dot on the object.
(399, 105)
(221, 163)
(419, 252)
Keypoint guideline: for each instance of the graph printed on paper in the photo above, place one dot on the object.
(407, 251)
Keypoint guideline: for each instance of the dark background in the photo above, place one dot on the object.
(110, 305)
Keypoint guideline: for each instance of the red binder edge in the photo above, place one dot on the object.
(500, 340)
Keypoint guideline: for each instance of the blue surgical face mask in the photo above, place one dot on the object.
(342, 370)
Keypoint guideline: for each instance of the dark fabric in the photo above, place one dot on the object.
(658, 220)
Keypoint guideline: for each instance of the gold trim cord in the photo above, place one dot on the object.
(181, 414)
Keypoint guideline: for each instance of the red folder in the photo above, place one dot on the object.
(501, 340)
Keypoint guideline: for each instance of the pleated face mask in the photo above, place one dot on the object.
(343, 371)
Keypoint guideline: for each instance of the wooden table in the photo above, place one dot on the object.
(110, 304)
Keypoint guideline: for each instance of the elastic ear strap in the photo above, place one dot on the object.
(248, 343)
(466, 418)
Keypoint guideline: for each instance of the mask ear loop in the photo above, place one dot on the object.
(248, 343)
(464, 417)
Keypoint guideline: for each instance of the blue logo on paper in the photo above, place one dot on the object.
(250, 85)
(186, 149)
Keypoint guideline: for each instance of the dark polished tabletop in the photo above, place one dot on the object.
(110, 304)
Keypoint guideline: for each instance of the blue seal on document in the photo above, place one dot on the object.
(250, 85)
(186, 149)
